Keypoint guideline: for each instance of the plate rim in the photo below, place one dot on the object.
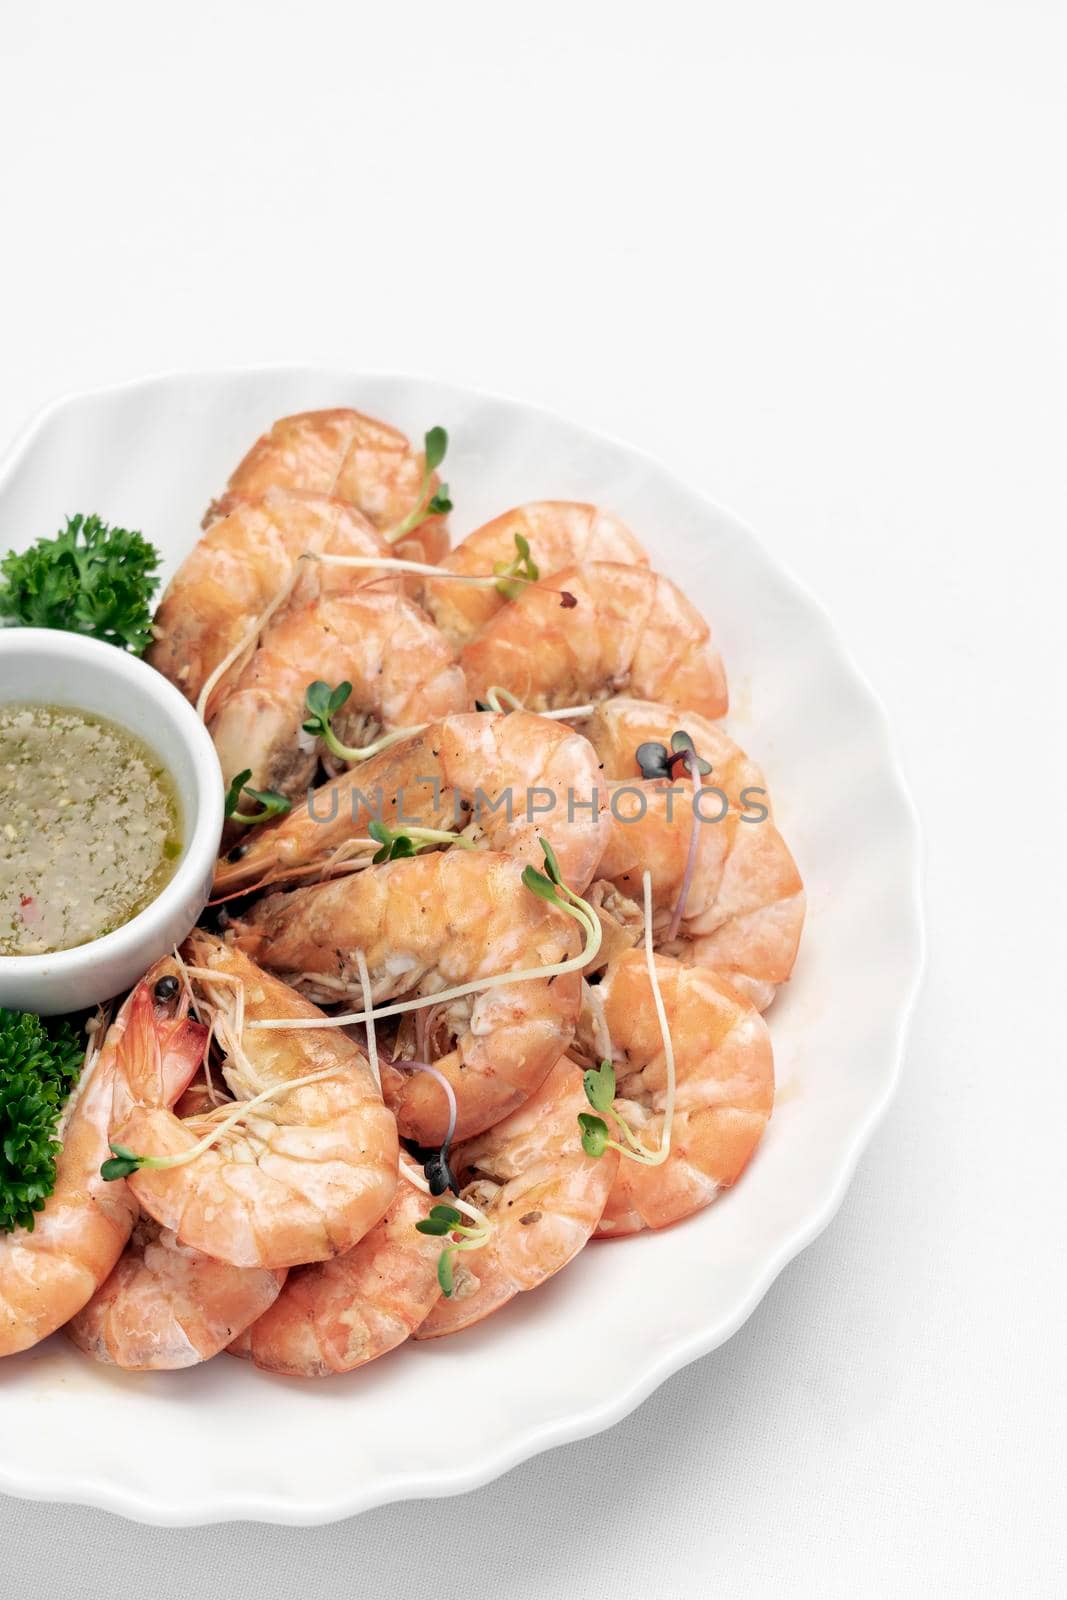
(681, 1351)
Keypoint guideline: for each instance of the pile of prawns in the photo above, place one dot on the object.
(426, 1054)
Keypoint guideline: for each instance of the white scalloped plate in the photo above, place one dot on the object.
(224, 1441)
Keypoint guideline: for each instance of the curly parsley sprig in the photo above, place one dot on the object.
(90, 578)
(39, 1066)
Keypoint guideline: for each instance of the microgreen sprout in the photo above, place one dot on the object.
(497, 698)
(323, 704)
(421, 569)
(273, 803)
(125, 1162)
(548, 886)
(398, 843)
(656, 761)
(692, 760)
(438, 505)
(522, 566)
(599, 1083)
(446, 1221)
(394, 846)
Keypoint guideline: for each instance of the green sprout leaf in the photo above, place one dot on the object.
(122, 1164)
(233, 793)
(445, 1275)
(653, 759)
(594, 1133)
(395, 846)
(682, 744)
(435, 444)
(550, 862)
(273, 804)
(600, 1086)
(434, 1226)
(322, 704)
(317, 698)
(538, 884)
(522, 566)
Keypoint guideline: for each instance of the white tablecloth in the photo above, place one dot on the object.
(813, 256)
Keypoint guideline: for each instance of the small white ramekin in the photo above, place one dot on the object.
(44, 666)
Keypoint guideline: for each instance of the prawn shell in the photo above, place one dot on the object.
(551, 1198)
(619, 726)
(166, 1306)
(724, 1069)
(341, 1314)
(312, 1171)
(353, 457)
(744, 907)
(239, 567)
(425, 924)
(402, 673)
(560, 533)
(630, 631)
(476, 766)
(48, 1274)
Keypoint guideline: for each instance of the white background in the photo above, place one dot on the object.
(814, 257)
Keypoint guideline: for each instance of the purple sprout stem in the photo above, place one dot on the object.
(450, 1094)
(692, 762)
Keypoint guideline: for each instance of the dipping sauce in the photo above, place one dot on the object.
(89, 828)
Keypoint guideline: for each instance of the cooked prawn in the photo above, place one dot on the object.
(503, 779)
(559, 534)
(619, 726)
(542, 1194)
(306, 1173)
(724, 1071)
(631, 632)
(401, 669)
(341, 1314)
(426, 924)
(167, 1306)
(355, 458)
(241, 566)
(731, 899)
(48, 1274)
